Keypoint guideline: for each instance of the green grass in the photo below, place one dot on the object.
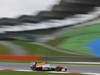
(56, 41)
(37, 50)
(3, 50)
(83, 30)
(75, 39)
(75, 32)
(78, 43)
(20, 61)
(30, 73)
(16, 61)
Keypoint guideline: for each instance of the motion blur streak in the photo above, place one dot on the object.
(21, 57)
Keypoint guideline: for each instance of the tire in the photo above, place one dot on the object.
(64, 70)
(58, 69)
(32, 68)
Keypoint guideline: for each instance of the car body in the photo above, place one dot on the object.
(47, 67)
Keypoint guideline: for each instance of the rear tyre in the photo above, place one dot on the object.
(32, 68)
(58, 69)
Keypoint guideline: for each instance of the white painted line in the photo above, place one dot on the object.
(78, 62)
(48, 71)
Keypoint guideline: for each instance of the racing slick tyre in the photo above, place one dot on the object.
(31, 68)
(36, 69)
(61, 69)
(64, 70)
(58, 69)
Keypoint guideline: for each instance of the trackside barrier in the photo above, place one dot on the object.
(20, 57)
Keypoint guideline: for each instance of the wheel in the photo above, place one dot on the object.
(64, 70)
(58, 69)
(32, 68)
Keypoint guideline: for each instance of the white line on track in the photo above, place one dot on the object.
(22, 70)
(77, 62)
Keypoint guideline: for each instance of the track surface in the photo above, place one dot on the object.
(71, 68)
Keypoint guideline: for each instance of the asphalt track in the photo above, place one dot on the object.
(71, 68)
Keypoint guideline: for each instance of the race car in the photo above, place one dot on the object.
(47, 67)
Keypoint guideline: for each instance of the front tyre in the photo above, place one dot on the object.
(64, 70)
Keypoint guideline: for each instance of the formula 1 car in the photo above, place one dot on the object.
(47, 67)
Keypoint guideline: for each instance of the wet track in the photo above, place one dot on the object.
(71, 68)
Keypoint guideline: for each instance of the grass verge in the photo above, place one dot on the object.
(3, 50)
(37, 50)
(31, 73)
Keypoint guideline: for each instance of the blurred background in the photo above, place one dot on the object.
(60, 32)
(50, 28)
